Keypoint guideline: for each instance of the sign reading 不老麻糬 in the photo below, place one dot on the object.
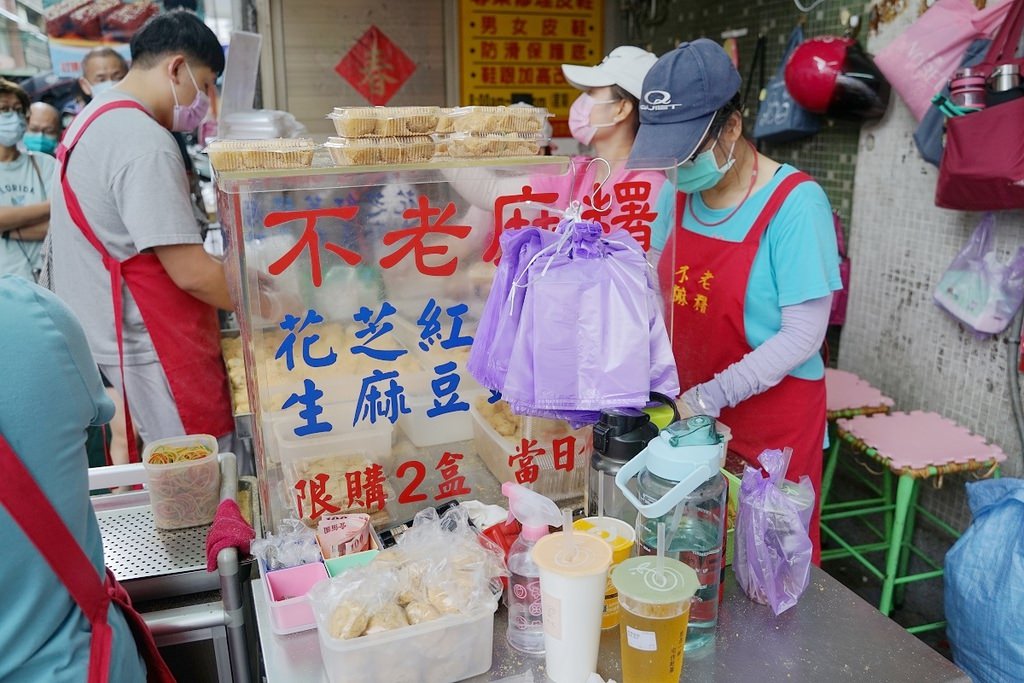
(513, 51)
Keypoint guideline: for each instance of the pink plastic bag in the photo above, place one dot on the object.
(919, 62)
(773, 548)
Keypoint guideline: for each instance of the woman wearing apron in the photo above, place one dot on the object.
(749, 268)
(63, 618)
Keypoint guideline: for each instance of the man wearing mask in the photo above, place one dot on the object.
(25, 180)
(102, 69)
(44, 128)
(128, 254)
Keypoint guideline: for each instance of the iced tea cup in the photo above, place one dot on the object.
(621, 537)
(572, 583)
(654, 608)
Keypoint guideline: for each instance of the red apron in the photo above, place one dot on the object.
(708, 335)
(185, 331)
(33, 513)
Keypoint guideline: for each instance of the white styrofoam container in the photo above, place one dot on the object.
(442, 651)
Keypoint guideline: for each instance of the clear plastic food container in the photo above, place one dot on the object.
(184, 493)
(375, 151)
(358, 122)
(424, 431)
(451, 648)
(470, 145)
(493, 120)
(252, 155)
(494, 450)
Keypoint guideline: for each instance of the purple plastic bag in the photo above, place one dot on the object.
(489, 356)
(773, 548)
(977, 289)
(583, 341)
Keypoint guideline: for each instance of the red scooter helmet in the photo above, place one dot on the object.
(834, 76)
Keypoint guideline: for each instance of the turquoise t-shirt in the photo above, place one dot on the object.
(798, 259)
(52, 393)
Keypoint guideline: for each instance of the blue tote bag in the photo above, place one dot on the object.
(779, 118)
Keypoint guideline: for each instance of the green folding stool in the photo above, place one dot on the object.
(911, 447)
(847, 395)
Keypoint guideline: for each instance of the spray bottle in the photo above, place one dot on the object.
(535, 512)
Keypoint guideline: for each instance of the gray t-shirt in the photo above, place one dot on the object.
(20, 184)
(129, 177)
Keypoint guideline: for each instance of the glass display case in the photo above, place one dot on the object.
(361, 289)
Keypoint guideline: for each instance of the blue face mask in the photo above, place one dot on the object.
(703, 172)
(12, 127)
(40, 142)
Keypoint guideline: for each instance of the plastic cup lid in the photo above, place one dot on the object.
(638, 578)
(620, 535)
(591, 555)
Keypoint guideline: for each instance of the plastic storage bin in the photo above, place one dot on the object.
(424, 431)
(290, 609)
(184, 494)
(494, 450)
(364, 439)
(448, 649)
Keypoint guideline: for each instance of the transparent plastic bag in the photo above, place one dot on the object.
(294, 545)
(442, 566)
(977, 289)
(773, 547)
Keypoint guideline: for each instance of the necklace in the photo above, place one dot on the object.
(750, 187)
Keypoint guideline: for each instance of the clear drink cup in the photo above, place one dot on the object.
(654, 609)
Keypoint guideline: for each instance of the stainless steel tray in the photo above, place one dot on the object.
(153, 563)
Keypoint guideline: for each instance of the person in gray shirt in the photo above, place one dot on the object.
(122, 215)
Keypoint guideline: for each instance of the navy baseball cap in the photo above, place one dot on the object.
(681, 94)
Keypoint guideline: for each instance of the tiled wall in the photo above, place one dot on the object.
(831, 155)
(895, 336)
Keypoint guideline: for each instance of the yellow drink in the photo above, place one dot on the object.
(652, 639)
(620, 536)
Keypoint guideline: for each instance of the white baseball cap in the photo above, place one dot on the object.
(625, 67)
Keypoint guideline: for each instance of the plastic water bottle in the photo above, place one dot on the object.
(535, 513)
(678, 483)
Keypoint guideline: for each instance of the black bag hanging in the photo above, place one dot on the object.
(780, 118)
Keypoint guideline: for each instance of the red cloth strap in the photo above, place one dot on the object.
(28, 505)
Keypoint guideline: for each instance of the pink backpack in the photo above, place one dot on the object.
(839, 299)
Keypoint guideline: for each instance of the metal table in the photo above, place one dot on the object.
(157, 566)
(831, 635)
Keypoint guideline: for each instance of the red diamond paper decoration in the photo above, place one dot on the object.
(376, 67)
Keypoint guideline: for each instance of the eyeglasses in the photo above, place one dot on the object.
(7, 109)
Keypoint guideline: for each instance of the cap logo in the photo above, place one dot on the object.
(657, 100)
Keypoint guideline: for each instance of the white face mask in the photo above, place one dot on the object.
(101, 87)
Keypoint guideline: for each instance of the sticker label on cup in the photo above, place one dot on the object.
(641, 640)
(552, 608)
